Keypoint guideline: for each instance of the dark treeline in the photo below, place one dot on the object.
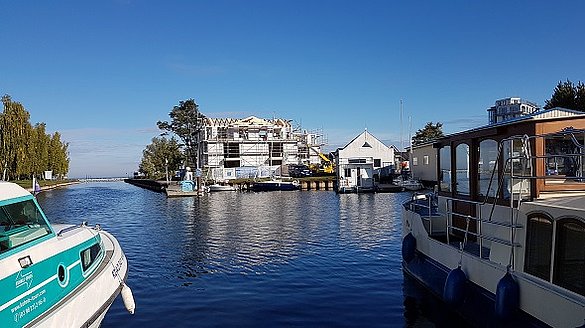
(26, 150)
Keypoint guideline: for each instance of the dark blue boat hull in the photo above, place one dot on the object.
(274, 186)
(478, 308)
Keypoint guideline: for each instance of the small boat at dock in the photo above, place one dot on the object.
(275, 185)
(219, 187)
(185, 188)
(409, 184)
(55, 275)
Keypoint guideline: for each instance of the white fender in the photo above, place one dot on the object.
(128, 299)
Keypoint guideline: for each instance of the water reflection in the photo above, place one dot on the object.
(366, 219)
(249, 259)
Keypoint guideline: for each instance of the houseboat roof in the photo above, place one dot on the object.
(10, 190)
(542, 115)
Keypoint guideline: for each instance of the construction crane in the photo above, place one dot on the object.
(326, 166)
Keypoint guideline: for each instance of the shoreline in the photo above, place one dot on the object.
(51, 187)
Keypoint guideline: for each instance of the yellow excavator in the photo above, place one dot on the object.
(326, 166)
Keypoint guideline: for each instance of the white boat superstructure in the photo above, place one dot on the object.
(410, 184)
(221, 187)
(505, 240)
(55, 276)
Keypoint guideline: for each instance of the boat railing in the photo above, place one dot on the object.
(425, 204)
(480, 220)
(529, 160)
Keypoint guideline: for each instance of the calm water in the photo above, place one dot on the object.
(304, 259)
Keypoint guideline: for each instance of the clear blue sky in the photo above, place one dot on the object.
(102, 73)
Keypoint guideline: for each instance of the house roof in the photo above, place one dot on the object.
(248, 121)
(366, 134)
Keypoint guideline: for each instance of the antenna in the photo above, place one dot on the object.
(401, 143)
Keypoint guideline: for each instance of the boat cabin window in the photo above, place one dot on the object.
(461, 175)
(445, 166)
(20, 223)
(89, 255)
(564, 158)
(539, 246)
(487, 168)
(517, 165)
(569, 270)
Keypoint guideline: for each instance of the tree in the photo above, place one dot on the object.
(429, 132)
(15, 131)
(567, 95)
(58, 156)
(186, 124)
(26, 150)
(580, 97)
(155, 156)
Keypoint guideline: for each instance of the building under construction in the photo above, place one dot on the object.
(254, 147)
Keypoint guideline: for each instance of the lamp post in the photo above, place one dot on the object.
(167, 169)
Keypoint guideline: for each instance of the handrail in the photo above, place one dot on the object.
(71, 228)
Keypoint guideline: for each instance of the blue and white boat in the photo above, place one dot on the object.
(55, 275)
(502, 240)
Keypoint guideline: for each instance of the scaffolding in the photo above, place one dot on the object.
(231, 145)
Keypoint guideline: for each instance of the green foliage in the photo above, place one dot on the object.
(567, 95)
(25, 150)
(186, 122)
(155, 155)
(429, 132)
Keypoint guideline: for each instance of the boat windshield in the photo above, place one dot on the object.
(21, 223)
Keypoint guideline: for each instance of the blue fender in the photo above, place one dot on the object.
(507, 297)
(454, 289)
(408, 247)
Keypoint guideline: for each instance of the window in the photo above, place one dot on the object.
(377, 162)
(21, 223)
(461, 175)
(347, 173)
(488, 155)
(89, 255)
(517, 164)
(564, 159)
(539, 246)
(569, 270)
(415, 161)
(445, 174)
(426, 160)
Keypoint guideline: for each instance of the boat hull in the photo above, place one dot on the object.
(430, 260)
(86, 293)
(478, 309)
(274, 186)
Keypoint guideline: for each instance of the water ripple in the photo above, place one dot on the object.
(248, 259)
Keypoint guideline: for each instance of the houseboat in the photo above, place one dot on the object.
(502, 238)
(55, 275)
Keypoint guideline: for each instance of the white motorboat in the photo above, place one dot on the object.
(55, 275)
(220, 187)
(410, 184)
(503, 239)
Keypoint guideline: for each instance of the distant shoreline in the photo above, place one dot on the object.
(54, 186)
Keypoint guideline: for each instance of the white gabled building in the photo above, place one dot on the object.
(359, 161)
(252, 146)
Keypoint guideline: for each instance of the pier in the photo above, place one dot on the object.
(306, 184)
